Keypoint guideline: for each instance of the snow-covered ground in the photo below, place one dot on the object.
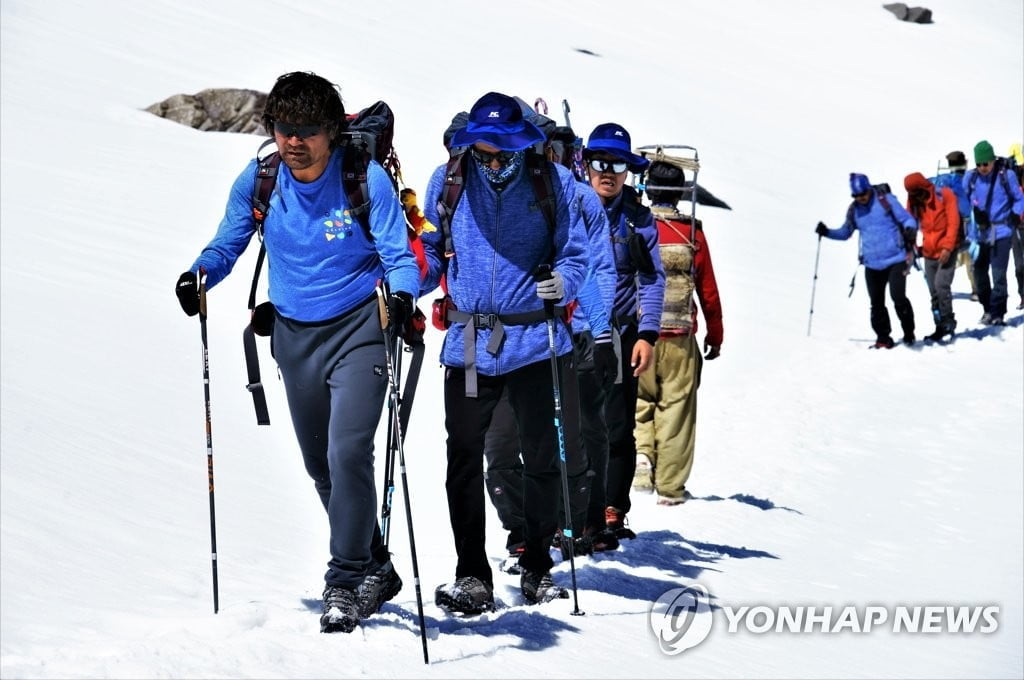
(826, 475)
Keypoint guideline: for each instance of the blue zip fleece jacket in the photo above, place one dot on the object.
(881, 238)
(637, 294)
(597, 297)
(499, 238)
(1002, 204)
(319, 262)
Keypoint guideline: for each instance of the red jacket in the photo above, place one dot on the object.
(938, 216)
(675, 232)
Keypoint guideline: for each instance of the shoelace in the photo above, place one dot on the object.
(338, 597)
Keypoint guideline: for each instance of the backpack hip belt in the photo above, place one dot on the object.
(497, 323)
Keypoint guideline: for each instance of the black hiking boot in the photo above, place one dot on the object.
(510, 565)
(468, 595)
(340, 612)
(581, 546)
(538, 588)
(615, 522)
(602, 540)
(379, 586)
(884, 343)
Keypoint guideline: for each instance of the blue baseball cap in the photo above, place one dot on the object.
(497, 119)
(859, 183)
(613, 139)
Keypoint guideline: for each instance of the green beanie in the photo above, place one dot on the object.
(983, 152)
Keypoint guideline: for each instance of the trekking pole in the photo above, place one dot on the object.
(542, 273)
(390, 335)
(389, 459)
(405, 402)
(814, 285)
(209, 436)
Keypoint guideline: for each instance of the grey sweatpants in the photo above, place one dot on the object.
(335, 378)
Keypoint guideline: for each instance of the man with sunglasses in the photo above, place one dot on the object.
(997, 207)
(327, 340)
(508, 273)
(636, 313)
(887, 236)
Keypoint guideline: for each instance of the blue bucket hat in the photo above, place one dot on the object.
(613, 139)
(497, 119)
(859, 183)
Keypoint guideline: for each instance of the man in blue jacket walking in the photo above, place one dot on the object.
(327, 336)
(498, 341)
(636, 308)
(887, 236)
(997, 206)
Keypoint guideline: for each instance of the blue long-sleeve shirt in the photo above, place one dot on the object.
(881, 234)
(597, 296)
(320, 264)
(499, 238)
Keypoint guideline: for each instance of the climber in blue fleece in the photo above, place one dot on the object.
(887, 237)
(498, 338)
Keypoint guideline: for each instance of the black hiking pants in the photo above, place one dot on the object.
(895, 277)
(467, 419)
(620, 414)
(585, 467)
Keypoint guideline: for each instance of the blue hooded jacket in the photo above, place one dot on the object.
(597, 296)
(637, 295)
(499, 239)
(320, 264)
(881, 234)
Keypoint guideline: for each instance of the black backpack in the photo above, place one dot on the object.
(368, 135)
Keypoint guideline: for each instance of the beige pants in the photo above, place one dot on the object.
(666, 412)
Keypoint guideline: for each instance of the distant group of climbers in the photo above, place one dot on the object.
(570, 325)
(969, 216)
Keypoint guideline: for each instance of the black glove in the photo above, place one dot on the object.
(606, 363)
(821, 229)
(400, 310)
(910, 238)
(187, 290)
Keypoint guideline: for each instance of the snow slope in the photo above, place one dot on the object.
(826, 475)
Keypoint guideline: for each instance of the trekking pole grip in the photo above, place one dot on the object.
(543, 273)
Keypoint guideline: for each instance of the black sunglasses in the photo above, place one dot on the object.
(609, 166)
(486, 157)
(287, 130)
(861, 193)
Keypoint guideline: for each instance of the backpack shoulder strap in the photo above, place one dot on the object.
(262, 190)
(541, 177)
(355, 162)
(263, 185)
(451, 192)
(635, 211)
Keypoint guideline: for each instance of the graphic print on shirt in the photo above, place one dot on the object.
(339, 225)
